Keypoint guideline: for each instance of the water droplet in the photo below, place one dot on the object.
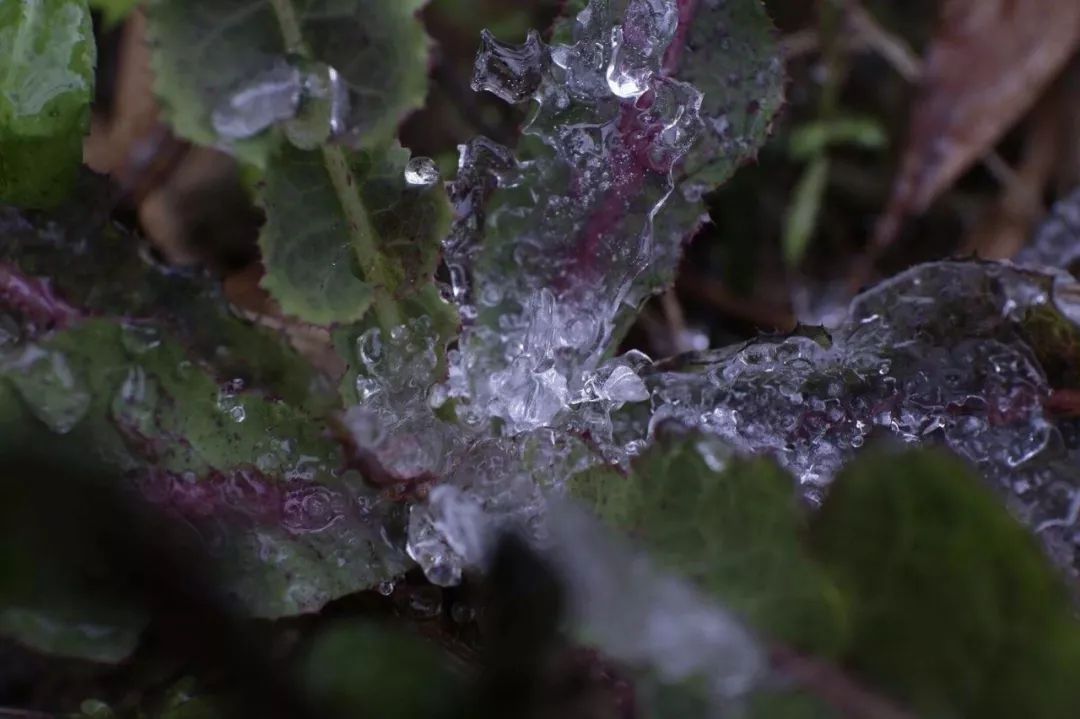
(421, 172)
(323, 109)
(229, 401)
(268, 98)
(135, 402)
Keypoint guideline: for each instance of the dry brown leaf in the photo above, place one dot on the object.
(1006, 226)
(988, 63)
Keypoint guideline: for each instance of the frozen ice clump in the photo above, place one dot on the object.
(943, 353)
(393, 423)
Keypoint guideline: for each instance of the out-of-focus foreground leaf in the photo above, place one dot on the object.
(361, 668)
(734, 530)
(47, 57)
(953, 608)
(987, 64)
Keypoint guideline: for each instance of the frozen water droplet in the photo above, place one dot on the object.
(638, 45)
(268, 98)
(623, 385)
(386, 587)
(229, 401)
(421, 172)
(135, 402)
(323, 108)
(53, 390)
(510, 72)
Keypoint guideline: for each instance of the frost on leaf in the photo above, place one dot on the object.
(589, 213)
(949, 353)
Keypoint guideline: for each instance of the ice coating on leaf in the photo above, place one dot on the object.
(550, 248)
(1057, 242)
(944, 353)
(578, 213)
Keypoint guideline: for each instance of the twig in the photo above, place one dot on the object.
(676, 321)
(831, 685)
(871, 34)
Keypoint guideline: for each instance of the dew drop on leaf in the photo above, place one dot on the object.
(268, 98)
(421, 172)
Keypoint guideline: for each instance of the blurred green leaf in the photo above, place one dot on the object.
(954, 608)
(802, 213)
(736, 531)
(58, 593)
(810, 140)
(47, 57)
(363, 669)
(114, 12)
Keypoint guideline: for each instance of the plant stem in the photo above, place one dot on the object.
(358, 224)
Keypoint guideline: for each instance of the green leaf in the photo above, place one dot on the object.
(216, 422)
(735, 531)
(206, 51)
(47, 57)
(114, 11)
(954, 608)
(90, 267)
(357, 668)
(802, 214)
(810, 140)
(731, 55)
(258, 474)
(343, 228)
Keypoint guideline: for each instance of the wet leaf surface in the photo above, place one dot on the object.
(47, 57)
